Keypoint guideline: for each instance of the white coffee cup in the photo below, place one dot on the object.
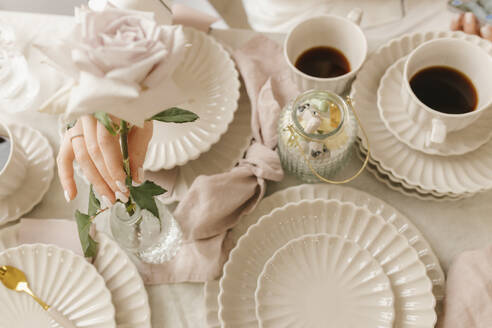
(338, 32)
(461, 55)
(14, 171)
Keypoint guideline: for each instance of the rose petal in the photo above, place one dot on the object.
(94, 94)
(174, 39)
(138, 71)
(57, 103)
(85, 64)
(59, 58)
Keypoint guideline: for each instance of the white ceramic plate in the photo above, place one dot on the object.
(402, 186)
(222, 157)
(414, 301)
(65, 281)
(342, 193)
(397, 121)
(322, 280)
(469, 173)
(385, 178)
(211, 304)
(39, 174)
(209, 77)
(120, 275)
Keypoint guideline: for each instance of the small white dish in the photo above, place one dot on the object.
(320, 280)
(208, 75)
(469, 173)
(412, 288)
(120, 276)
(398, 121)
(39, 173)
(65, 281)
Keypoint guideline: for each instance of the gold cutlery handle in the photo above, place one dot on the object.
(25, 288)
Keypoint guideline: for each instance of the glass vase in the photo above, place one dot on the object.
(154, 240)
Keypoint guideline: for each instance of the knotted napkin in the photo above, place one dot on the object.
(468, 301)
(214, 204)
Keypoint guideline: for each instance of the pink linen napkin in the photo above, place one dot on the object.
(468, 301)
(214, 204)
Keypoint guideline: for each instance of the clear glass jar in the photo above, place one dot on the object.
(319, 127)
(152, 239)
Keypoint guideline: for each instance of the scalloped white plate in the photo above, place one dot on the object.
(402, 186)
(120, 275)
(39, 174)
(65, 281)
(396, 119)
(390, 182)
(412, 288)
(345, 194)
(468, 173)
(211, 304)
(208, 75)
(222, 157)
(321, 280)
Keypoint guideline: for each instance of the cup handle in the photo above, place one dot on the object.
(437, 135)
(355, 15)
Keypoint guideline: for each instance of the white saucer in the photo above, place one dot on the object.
(39, 174)
(400, 124)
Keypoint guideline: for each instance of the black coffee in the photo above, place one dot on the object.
(445, 89)
(4, 151)
(323, 62)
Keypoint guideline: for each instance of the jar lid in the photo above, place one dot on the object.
(319, 114)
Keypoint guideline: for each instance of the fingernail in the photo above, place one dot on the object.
(122, 186)
(67, 196)
(486, 31)
(456, 18)
(140, 174)
(469, 18)
(106, 201)
(121, 197)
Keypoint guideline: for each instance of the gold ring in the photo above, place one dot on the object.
(75, 136)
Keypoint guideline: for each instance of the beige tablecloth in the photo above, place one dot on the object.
(450, 227)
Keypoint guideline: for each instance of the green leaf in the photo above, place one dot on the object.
(175, 115)
(71, 125)
(89, 245)
(144, 194)
(106, 121)
(94, 204)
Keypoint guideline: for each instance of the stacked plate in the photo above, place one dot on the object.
(326, 256)
(459, 168)
(107, 294)
(218, 139)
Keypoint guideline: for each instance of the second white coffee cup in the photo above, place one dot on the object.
(343, 34)
(462, 56)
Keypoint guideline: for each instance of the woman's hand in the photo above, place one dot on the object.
(468, 23)
(99, 156)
